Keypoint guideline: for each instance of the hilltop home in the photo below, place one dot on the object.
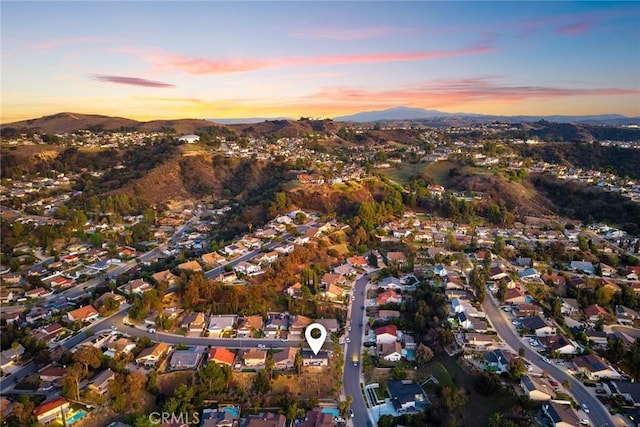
(407, 397)
(254, 358)
(285, 359)
(537, 388)
(100, 383)
(595, 367)
(221, 356)
(220, 324)
(315, 360)
(185, 360)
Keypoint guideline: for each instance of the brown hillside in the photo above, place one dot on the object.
(181, 126)
(520, 197)
(163, 184)
(70, 122)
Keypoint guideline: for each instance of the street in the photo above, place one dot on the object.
(598, 414)
(351, 376)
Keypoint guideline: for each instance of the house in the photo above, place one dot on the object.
(194, 322)
(315, 360)
(388, 297)
(626, 316)
(150, 356)
(357, 261)
(331, 325)
(332, 279)
(317, 418)
(555, 279)
(560, 415)
(189, 139)
(234, 249)
(529, 274)
(496, 361)
(50, 410)
(344, 270)
(10, 356)
(254, 357)
(138, 286)
(475, 340)
(594, 312)
(52, 374)
(249, 325)
(85, 313)
(165, 276)
(537, 388)
(49, 332)
(218, 418)
(397, 258)
(407, 397)
(192, 266)
(391, 283)
(297, 326)
(515, 296)
(285, 248)
(221, 356)
(185, 360)
(334, 292)
(538, 326)
(248, 268)
(585, 267)
(497, 272)
(267, 419)
(387, 315)
(220, 324)
(386, 334)
(597, 337)
(227, 277)
(594, 367)
(99, 384)
(121, 345)
(390, 352)
(275, 324)
(267, 258)
(629, 391)
(464, 321)
(37, 293)
(558, 343)
(285, 359)
(569, 306)
(528, 310)
(104, 297)
(294, 290)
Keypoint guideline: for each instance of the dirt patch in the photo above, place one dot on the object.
(168, 382)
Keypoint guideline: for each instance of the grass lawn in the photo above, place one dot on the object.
(404, 173)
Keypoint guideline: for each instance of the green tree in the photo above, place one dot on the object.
(423, 354)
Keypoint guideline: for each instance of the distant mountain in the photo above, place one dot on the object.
(408, 113)
(248, 120)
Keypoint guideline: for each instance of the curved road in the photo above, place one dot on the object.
(598, 413)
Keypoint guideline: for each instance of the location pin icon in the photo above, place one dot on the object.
(315, 343)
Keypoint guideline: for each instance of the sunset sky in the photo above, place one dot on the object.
(154, 60)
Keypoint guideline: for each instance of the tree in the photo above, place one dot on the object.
(495, 420)
(617, 349)
(398, 373)
(71, 381)
(423, 354)
(88, 356)
(372, 260)
(516, 368)
(261, 383)
(297, 362)
(501, 293)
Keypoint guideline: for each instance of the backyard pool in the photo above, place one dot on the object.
(529, 299)
(231, 410)
(76, 417)
(334, 412)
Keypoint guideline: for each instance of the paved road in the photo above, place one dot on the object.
(351, 375)
(598, 414)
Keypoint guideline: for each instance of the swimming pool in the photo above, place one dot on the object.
(529, 299)
(334, 412)
(76, 417)
(231, 410)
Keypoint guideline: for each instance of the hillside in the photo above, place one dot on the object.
(71, 122)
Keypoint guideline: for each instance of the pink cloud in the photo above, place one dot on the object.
(575, 29)
(452, 92)
(352, 33)
(132, 81)
(202, 66)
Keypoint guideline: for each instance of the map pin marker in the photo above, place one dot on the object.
(315, 343)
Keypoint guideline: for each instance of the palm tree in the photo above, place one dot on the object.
(495, 419)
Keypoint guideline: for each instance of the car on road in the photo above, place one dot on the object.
(546, 360)
(48, 387)
(284, 339)
(353, 297)
(114, 328)
(348, 340)
(262, 346)
(362, 307)
(152, 331)
(584, 422)
(351, 413)
(349, 329)
(585, 408)
(600, 391)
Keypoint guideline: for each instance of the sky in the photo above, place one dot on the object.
(209, 59)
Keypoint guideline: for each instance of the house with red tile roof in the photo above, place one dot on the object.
(386, 334)
(86, 313)
(221, 356)
(50, 410)
(388, 297)
(594, 312)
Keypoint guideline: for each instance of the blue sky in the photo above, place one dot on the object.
(147, 60)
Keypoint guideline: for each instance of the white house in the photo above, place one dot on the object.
(386, 334)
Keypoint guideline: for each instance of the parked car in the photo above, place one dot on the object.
(585, 408)
(600, 391)
(554, 383)
(584, 422)
(546, 360)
